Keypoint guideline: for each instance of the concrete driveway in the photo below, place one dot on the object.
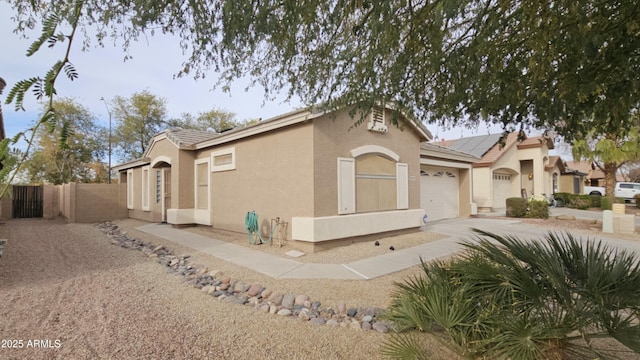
(457, 231)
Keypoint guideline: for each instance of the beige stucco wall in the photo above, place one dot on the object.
(273, 177)
(85, 203)
(464, 192)
(483, 187)
(50, 201)
(335, 137)
(566, 183)
(137, 212)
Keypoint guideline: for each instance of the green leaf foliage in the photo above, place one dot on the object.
(506, 298)
(48, 29)
(17, 92)
(569, 66)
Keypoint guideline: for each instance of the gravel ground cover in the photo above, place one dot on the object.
(67, 293)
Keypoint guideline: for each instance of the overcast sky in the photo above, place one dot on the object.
(104, 73)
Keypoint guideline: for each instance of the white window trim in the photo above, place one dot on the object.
(158, 186)
(130, 191)
(347, 205)
(402, 186)
(225, 167)
(145, 189)
(208, 161)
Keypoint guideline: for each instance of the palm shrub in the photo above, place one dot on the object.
(505, 298)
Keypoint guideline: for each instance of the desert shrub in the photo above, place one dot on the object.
(581, 202)
(538, 209)
(636, 198)
(595, 201)
(506, 298)
(607, 201)
(516, 207)
(562, 198)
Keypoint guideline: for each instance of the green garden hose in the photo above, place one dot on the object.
(251, 224)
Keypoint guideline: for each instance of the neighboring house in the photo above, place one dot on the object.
(328, 179)
(511, 169)
(445, 182)
(594, 176)
(563, 178)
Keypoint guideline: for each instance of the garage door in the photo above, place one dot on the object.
(439, 192)
(501, 190)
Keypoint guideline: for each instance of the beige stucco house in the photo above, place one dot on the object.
(513, 168)
(329, 180)
(564, 178)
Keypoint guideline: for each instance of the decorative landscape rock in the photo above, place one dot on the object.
(255, 295)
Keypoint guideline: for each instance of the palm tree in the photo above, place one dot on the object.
(505, 298)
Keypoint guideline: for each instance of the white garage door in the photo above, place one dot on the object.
(501, 190)
(439, 192)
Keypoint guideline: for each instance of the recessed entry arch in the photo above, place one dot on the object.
(161, 161)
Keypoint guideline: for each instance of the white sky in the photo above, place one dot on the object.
(104, 73)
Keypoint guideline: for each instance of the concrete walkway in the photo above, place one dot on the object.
(457, 230)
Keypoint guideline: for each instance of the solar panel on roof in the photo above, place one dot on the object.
(476, 145)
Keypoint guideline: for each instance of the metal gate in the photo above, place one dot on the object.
(27, 201)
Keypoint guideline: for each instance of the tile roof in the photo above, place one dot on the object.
(437, 150)
(185, 138)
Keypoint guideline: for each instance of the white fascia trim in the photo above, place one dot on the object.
(444, 163)
(195, 181)
(268, 125)
(130, 165)
(318, 229)
(368, 149)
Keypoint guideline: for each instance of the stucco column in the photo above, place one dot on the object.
(538, 176)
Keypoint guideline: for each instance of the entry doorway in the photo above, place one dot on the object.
(166, 190)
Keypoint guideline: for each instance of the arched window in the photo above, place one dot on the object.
(376, 187)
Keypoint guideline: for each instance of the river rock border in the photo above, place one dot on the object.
(213, 283)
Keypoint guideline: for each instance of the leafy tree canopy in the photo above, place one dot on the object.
(569, 65)
(215, 120)
(138, 118)
(78, 158)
